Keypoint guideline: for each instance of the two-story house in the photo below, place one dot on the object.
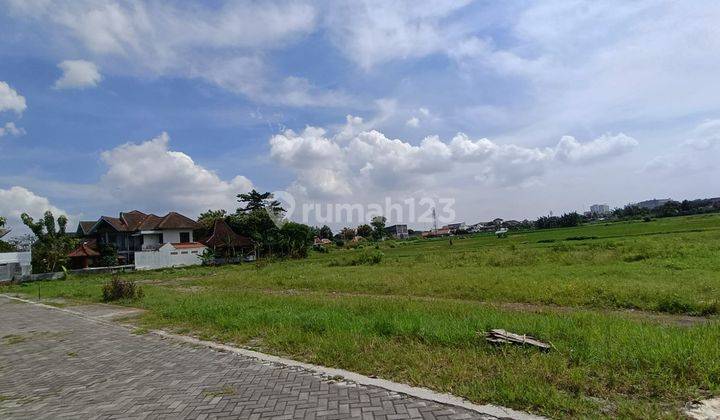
(135, 231)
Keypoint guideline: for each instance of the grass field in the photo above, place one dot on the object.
(629, 307)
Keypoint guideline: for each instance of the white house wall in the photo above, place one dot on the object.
(150, 260)
(173, 235)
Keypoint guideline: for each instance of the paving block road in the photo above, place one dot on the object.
(55, 364)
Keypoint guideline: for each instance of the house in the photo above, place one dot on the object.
(85, 255)
(397, 231)
(321, 241)
(225, 242)
(4, 232)
(132, 232)
(15, 265)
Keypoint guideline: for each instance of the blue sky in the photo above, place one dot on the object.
(514, 109)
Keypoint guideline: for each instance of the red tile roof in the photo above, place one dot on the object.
(187, 245)
(85, 249)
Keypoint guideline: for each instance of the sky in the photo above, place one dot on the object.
(508, 109)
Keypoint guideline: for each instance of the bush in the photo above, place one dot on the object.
(117, 289)
(366, 257)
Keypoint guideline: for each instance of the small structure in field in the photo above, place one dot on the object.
(501, 233)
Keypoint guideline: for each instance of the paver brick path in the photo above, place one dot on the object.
(55, 364)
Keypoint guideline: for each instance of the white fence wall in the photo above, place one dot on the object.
(150, 260)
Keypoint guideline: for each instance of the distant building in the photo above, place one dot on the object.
(599, 209)
(397, 231)
(454, 227)
(654, 203)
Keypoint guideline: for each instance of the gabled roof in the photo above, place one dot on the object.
(84, 227)
(223, 236)
(177, 221)
(4, 232)
(85, 249)
(133, 221)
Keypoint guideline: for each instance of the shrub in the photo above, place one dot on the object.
(117, 289)
(366, 257)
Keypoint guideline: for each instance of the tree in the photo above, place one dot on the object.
(347, 233)
(207, 221)
(295, 239)
(365, 231)
(2, 221)
(325, 232)
(52, 246)
(257, 201)
(378, 224)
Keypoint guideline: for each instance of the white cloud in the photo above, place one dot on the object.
(78, 74)
(698, 153)
(10, 100)
(705, 136)
(18, 200)
(151, 177)
(571, 150)
(371, 32)
(9, 129)
(367, 160)
(413, 122)
(223, 45)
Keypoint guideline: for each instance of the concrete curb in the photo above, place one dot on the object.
(417, 392)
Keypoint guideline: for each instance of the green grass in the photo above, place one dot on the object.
(418, 314)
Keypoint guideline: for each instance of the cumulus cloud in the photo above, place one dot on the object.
(352, 161)
(413, 122)
(151, 177)
(78, 74)
(10, 100)
(18, 200)
(10, 129)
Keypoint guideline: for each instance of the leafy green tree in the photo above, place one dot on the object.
(325, 232)
(295, 239)
(378, 225)
(50, 250)
(207, 221)
(365, 231)
(257, 201)
(2, 221)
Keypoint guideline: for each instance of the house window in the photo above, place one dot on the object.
(184, 237)
(160, 239)
(184, 252)
(173, 253)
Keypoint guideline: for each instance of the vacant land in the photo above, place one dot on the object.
(630, 309)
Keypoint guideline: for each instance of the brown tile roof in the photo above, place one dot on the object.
(150, 223)
(223, 236)
(84, 227)
(177, 221)
(135, 220)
